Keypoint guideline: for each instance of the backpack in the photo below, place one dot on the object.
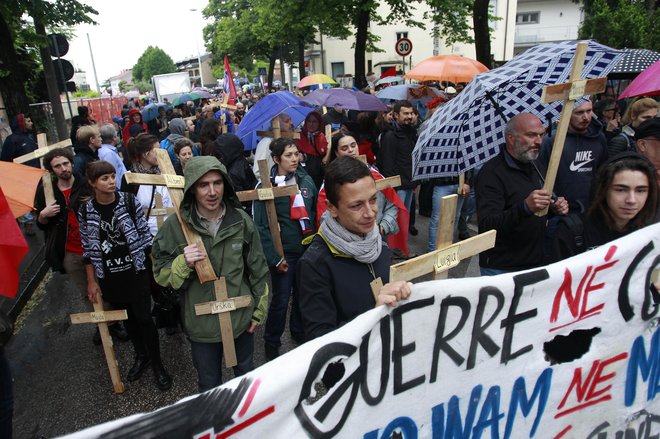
(574, 223)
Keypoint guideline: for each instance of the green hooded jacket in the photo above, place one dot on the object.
(235, 253)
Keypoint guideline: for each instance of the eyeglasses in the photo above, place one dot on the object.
(610, 109)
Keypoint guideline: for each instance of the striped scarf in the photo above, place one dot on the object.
(298, 211)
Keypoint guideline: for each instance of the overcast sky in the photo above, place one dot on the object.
(126, 28)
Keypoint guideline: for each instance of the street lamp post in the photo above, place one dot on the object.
(199, 58)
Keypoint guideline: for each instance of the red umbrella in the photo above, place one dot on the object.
(452, 68)
(646, 84)
(13, 249)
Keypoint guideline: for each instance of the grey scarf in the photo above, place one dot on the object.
(363, 249)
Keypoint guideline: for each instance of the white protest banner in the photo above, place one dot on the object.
(465, 358)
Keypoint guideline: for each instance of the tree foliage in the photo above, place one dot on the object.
(153, 61)
(622, 23)
(21, 70)
(265, 30)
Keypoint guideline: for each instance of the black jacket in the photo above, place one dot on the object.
(17, 144)
(55, 229)
(84, 156)
(591, 232)
(395, 155)
(502, 187)
(333, 288)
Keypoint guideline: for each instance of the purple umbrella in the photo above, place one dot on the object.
(348, 99)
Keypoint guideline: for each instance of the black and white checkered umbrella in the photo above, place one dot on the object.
(469, 129)
(632, 63)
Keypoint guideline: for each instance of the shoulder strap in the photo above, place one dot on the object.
(576, 226)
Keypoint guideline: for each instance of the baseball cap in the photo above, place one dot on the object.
(648, 128)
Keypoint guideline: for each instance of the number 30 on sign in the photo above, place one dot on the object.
(403, 46)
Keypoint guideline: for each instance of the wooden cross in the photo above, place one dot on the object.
(222, 306)
(175, 184)
(267, 193)
(276, 133)
(40, 152)
(101, 318)
(205, 272)
(442, 259)
(569, 92)
(161, 213)
(223, 118)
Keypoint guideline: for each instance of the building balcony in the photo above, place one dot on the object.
(531, 35)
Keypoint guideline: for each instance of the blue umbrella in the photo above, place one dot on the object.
(469, 129)
(260, 116)
(150, 112)
(348, 99)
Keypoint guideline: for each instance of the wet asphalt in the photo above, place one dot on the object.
(61, 382)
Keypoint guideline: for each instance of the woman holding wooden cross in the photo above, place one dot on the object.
(116, 244)
(295, 216)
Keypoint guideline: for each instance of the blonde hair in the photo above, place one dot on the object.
(86, 132)
(637, 107)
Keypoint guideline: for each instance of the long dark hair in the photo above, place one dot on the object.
(628, 161)
(335, 143)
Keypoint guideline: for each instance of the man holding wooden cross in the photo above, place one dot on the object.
(509, 193)
(211, 208)
(60, 225)
(341, 275)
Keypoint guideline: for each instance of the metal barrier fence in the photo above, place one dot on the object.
(101, 109)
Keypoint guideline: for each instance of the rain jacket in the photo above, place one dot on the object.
(126, 132)
(333, 287)
(395, 156)
(314, 146)
(290, 230)
(235, 253)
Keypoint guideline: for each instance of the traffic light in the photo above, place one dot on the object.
(59, 46)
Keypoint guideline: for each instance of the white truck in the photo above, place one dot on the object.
(171, 85)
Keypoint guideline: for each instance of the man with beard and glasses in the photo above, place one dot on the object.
(509, 193)
(60, 226)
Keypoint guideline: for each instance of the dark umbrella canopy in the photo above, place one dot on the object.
(633, 62)
(469, 129)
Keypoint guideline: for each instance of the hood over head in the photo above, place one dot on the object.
(230, 147)
(17, 123)
(131, 113)
(177, 126)
(196, 168)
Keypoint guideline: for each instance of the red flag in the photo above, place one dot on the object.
(389, 72)
(229, 86)
(13, 249)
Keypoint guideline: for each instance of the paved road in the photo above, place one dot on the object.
(61, 383)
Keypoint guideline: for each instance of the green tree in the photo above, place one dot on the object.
(25, 45)
(153, 61)
(621, 23)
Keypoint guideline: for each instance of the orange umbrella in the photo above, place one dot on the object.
(452, 68)
(316, 79)
(19, 184)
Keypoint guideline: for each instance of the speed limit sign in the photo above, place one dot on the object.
(403, 46)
